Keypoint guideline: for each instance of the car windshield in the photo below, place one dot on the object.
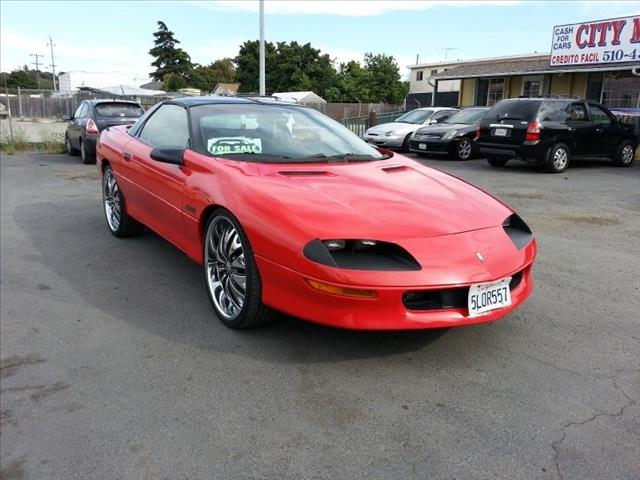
(275, 133)
(114, 109)
(415, 116)
(467, 117)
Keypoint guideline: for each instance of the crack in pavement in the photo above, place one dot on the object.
(555, 445)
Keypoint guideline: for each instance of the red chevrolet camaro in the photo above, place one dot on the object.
(288, 210)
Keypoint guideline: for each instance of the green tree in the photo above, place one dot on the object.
(290, 67)
(384, 78)
(173, 82)
(206, 77)
(27, 79)
(169, 59)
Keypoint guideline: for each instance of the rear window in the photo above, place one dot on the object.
(516, 109)
(126, 110)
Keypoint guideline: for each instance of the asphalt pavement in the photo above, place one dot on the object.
(115, 367)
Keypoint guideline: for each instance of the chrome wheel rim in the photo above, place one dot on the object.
(111, 196)
(225, 264)
(627, 154)
(560, 158)
(464, 149)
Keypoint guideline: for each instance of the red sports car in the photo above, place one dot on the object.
(288, 210)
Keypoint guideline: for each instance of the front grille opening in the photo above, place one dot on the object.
(445, 299)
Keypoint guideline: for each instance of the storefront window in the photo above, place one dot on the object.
(621, 90)
(489, 91)
(532, 86)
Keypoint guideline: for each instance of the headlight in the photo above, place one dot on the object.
(449, 135)
(389, 133)
(360, 254)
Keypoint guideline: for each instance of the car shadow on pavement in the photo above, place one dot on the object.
(150, 284)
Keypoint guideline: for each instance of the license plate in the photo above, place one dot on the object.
(484, 297)
(500, 132)
(422, 146)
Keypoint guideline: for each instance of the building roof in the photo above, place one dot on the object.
(125, 90)
(522, 65)
(300, 97)
(226, 88)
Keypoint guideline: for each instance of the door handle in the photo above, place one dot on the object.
(126, 156)
(599, 130)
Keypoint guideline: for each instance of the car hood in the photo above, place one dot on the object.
(444, 128)
(387, 200)
(397, 127)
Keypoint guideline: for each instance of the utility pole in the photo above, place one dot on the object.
(37, 64)
(53, 63)
(263, 87)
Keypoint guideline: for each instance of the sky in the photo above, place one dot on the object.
(108, 36)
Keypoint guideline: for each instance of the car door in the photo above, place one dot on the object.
(607, 132)
(157, 188)
(73, 129)
(581, 128)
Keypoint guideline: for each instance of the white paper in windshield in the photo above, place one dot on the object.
(227, 145)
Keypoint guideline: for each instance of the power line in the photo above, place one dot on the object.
(53, 63)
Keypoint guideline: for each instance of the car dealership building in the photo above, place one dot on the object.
(595, 60)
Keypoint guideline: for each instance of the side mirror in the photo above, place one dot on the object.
(172, 155)
(432, 121)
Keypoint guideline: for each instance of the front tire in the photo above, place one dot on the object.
(464, 150)
(405, 143)
(231, 274)
(120, 224)
(625, 154)
(557, 158)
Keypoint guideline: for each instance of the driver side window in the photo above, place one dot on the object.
(598, 115)
(78, 112)
(167, 127)
(577, 113)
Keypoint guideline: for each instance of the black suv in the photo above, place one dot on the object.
(93, 116)
(550, 131)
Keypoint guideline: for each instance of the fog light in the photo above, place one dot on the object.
(342, 291)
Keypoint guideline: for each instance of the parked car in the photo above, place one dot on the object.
(453, 137)
(93, 116)
(396, 134)
(321, 226)
(552, 131)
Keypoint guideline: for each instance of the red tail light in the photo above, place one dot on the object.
(478, 132)
(533, 132)
(91, 128)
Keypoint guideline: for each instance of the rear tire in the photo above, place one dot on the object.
(120, 224)
(625, 154)
(70, 150)
(86, 157)
(497, 161)
(557, 158)
(231, 274)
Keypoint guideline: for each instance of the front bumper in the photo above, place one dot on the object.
(395, 141)
(287, 290)
(434, 147)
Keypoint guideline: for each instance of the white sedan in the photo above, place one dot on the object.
(396, 134)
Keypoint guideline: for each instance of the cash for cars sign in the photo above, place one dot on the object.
(591, 43)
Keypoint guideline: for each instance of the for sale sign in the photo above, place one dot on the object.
(592, 43)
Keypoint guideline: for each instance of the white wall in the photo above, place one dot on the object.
(422, 86)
